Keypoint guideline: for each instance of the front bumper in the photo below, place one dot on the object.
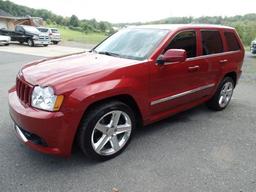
(253, 50)
(38, 42)
(4, 42)
(46, 132)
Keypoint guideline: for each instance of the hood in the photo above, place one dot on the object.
(63, 69)
(36, 33)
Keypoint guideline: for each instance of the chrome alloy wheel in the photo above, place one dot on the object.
(111, 132)
(226, 94)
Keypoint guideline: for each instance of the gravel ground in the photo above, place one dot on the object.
(197, 150)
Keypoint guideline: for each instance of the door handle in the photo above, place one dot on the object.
(194, 68)
(223, 61)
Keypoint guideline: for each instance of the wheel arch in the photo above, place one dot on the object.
(125, 98)
(233, 75)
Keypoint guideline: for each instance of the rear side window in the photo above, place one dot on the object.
(211, 42)
(185, 40)
(232, 41)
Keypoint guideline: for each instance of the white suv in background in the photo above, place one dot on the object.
(5, 40)
(53, 33)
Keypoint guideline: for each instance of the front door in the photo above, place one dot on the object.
(175, 84)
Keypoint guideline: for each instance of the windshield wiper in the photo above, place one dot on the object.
(109, 53)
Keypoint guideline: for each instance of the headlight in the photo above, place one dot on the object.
(35, 37)
(44, 98)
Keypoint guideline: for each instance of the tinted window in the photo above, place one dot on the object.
(185, 40)
(19, 29)
(44, 30)
(211, 42)
(232, 42)
(55, 31)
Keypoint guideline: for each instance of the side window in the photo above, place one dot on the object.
(19, 29)
(211, 42)
(232, 42)
(184, 40)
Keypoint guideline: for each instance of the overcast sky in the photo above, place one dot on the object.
(142, 10)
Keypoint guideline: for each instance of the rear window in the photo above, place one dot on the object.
(232, 41)
(211, 42)
(44, 30)
(54, 30)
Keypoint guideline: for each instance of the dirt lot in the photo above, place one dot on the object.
(198, 150)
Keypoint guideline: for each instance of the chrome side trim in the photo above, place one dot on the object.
(20, 134)
(213, 55)
(181, 94)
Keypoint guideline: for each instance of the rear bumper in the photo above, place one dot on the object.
(46, 132)
(57, 39)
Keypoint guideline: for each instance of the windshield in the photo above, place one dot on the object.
(43, 30)
(132, 43)
(31, 29)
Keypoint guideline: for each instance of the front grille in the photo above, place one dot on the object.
(24, 90)
(43, 38)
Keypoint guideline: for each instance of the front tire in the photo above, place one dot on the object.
(31, 43)
(223, 95)
(106, 130)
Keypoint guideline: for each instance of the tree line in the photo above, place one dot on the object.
(72, 22)
(245, 25)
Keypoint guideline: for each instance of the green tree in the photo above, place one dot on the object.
(74, 21)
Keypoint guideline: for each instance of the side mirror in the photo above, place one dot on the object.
(173, 55)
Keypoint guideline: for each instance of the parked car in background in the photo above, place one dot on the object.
(5, 40)
(135, 77)
(53, 33)
(55, 36)
(27, 34)
(253, 47)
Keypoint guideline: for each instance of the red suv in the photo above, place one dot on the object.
(137, 76)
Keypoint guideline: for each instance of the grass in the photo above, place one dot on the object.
(247, 48)
(87, 38)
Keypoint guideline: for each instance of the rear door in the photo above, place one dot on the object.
(234, 52)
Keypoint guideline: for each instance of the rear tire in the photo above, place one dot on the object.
(31, 43)
(223, 95)
(55, 42)
(106, 130)
(45, 45)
